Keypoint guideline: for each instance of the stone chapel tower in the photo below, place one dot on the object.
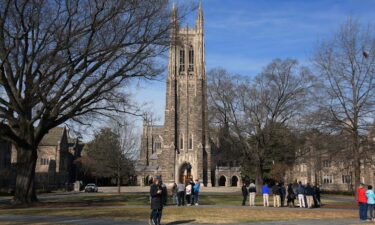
(185, 152)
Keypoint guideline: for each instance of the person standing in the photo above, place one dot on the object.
(252, 193)
(370, 202)
(196, 188)
(188, 190)
(301, 195)
(174, 194)
(309, 195)
(276, 195)
(266, 193)
(316, 195)
(244, 194)
(181, 194)
(156, 193)
(362, 201)
(291, 195)
(282, 194)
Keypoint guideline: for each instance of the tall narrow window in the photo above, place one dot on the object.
(191, 59)
(190, 142)
(182, 60)
(181, 143)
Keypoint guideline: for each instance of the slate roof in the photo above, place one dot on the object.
(53, 137)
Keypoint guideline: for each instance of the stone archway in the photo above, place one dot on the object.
(148, 180)
(222, 181)
(234, 181)
(185, 172)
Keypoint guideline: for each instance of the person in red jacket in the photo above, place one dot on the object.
(362, 201)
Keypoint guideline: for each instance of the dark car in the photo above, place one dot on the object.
(91, 188)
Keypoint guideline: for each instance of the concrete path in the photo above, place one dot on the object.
(85, 221)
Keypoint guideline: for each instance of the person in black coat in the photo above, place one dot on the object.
(291, 195)
(156, 194)
(244, 193)
(282, 194)
(316, 196)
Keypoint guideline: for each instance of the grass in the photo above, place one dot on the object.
(193, 214)
(138, 199)
(223, 212)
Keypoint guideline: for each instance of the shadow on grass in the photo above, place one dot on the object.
(180, 222)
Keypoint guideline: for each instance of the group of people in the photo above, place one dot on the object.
(188, 191)
(159, 196)
(366, 200)
(308, 196)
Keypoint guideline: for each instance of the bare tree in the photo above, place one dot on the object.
(129, 144)
(259, 111)
(60, 60)
(346, 66)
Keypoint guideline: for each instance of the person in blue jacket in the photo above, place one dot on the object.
(196, 188)
(266, 194)
(370, 202)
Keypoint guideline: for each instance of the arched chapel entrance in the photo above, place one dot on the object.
(185, 172)
(222, 181)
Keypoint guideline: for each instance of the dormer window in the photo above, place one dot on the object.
(191, 59)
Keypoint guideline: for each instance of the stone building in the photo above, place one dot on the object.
(180, 149)
(54, 163)
(331, 169)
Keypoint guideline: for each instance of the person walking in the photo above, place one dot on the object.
(252, 193)
(309, 195)
(276, 195)
(156, 193)
(370, 202)
(180, 194)
(188, 190)
(196, 188)
(244, 194)
(266, 193)
(301, 195)
(362, 201)
(282, 194)
(291, 196)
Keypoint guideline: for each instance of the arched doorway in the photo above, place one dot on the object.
(234, 181)
(222, 181)
(185, 172)
(148, 180)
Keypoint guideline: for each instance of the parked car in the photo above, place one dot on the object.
(91, 188)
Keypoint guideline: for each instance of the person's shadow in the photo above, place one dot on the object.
(180, 222)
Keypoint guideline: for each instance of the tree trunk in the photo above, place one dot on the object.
(25, 189)
(118, 179)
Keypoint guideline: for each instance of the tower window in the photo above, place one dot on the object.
(182, 60)
(190, 142)
(181, 143)
(191, 59)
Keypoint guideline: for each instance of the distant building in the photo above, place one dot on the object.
(56, 153)
(331, 169)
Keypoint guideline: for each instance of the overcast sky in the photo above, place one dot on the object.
(242, 36)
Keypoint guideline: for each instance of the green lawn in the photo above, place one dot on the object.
(224, 212)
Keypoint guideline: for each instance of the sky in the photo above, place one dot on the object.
(243, 36)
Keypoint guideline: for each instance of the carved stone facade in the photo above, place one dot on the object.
(180, 149)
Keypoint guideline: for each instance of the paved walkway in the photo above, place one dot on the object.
(86, 221)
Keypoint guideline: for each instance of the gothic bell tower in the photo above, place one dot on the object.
(186, 151)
